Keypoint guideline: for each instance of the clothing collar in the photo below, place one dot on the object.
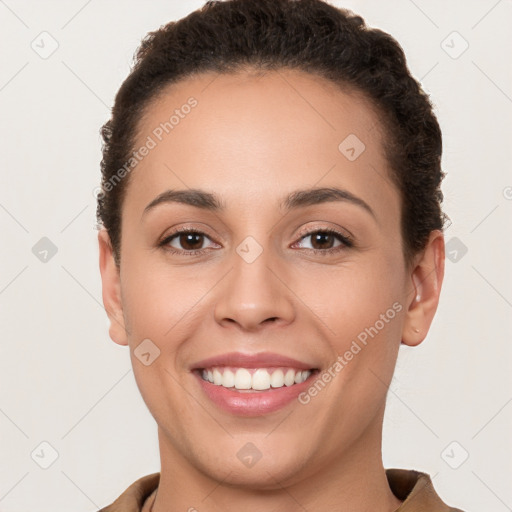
(414, 488)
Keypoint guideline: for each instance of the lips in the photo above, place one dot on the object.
(247, 399)
(260, 360)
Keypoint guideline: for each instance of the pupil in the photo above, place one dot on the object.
(189, 240)
(322, 238)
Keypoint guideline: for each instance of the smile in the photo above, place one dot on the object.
(245, 384)
(256, 379)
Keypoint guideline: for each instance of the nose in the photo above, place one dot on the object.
(255, 294)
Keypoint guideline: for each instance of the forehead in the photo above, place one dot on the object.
(247, 136)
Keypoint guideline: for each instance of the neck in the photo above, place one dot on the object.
(355, 481)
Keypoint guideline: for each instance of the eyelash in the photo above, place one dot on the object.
(346, 242)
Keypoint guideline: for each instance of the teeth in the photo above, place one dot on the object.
(301, 376)
(228, 379)
(289, 378)
(261, 380)
(217, 377)
(258, 379)
(277, 379)
(242, 379)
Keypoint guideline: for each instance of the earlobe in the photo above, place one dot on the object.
(425, 283)
(111, 289)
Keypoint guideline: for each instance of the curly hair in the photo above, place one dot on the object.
(307, 35)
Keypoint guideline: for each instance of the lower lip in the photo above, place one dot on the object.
(253, 403)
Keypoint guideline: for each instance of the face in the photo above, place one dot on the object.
(294, 270)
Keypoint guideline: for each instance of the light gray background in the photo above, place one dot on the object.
(63, 381)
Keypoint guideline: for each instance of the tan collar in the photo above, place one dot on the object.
(413, 487)
(417, 491)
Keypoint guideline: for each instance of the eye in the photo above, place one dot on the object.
(324, 241)
(190, 240)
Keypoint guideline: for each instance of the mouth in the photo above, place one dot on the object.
(253, 385)
(254, 379)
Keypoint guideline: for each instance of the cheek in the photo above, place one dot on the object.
(361, 308)
(164, 309)
(158, 299)
(350, 297)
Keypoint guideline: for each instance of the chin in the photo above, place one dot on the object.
(267, 474)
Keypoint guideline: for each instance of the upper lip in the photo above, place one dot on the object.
(259, 360)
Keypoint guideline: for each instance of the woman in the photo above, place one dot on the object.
(271, 233)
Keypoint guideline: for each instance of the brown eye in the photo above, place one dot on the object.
(191, 241)
(187, 242)
(325, 241)
(322, 240)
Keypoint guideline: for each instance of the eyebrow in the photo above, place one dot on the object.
(297, 199)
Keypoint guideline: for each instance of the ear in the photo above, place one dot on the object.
(111, 289)
(426, 279)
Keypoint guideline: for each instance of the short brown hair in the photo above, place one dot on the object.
(308, 35)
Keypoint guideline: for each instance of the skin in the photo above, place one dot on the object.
(252, 140)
